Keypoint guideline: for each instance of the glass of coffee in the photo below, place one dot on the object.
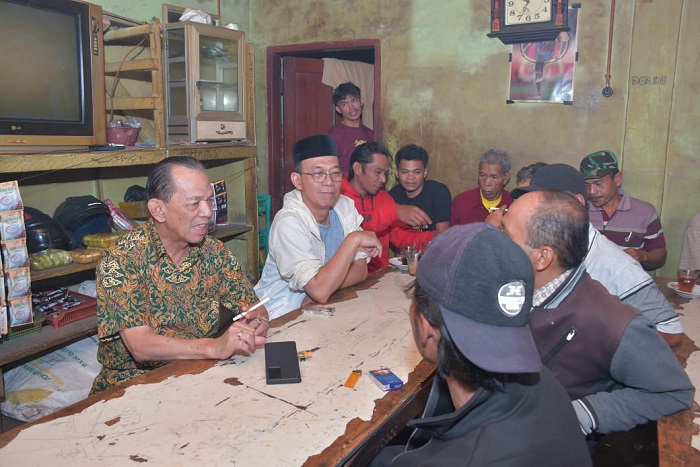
(412, 261)
(687, 278)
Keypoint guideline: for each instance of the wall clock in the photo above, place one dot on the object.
(514, 21)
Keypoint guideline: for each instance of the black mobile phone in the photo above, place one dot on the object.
(282, 363)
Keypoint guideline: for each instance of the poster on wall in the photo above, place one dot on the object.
(544, 71)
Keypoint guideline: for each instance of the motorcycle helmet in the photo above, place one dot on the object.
(44, 232)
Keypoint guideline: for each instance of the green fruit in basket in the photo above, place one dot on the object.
(66, 258)
(45, 261)
(36, 264)
(55, 256)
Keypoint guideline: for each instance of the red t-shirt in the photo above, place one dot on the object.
(346, 139)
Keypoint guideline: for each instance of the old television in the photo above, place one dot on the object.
(52, 92)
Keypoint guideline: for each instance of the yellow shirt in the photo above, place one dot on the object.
(490, 204)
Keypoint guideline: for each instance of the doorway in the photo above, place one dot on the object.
(300, 105)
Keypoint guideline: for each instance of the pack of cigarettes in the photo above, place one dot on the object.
(386, 379)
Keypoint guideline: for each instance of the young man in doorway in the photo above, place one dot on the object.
(349, 132)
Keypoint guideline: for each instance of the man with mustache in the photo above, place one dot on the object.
(631, 223)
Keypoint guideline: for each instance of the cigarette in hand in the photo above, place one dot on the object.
(259, 304)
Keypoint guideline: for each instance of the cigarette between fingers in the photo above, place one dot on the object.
(259, 304)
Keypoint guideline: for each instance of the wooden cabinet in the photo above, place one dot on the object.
(207, 83)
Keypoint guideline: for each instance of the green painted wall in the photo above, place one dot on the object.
(444, 86)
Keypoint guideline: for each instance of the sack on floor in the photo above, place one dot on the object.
(51, 382)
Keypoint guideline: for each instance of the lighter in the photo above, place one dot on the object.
(353, 378)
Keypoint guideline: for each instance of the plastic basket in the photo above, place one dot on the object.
(125, 135)
(25, 330)
(88, 307)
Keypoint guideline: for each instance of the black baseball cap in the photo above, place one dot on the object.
(483, 283)
(554, 177)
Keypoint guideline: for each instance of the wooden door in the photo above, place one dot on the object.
(299, 105)
(307, 110)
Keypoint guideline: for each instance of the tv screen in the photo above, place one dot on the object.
(51, 80)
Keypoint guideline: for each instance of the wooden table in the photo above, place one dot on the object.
(676, 432)
(327, 424)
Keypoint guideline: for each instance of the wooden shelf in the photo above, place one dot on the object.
(223, 231)
(144, 69)
(75, 160)
(50, 338)
(59, 271)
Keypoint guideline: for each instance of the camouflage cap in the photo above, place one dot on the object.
(599, 164)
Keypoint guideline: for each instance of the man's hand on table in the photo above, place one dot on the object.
(244, 335)
(258, 319)
(241, 338)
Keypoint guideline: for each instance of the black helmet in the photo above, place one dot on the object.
(44, 232)
(81, 215)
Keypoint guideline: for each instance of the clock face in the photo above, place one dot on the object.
(527, 11)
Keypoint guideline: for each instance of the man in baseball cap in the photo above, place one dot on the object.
(621, 274)
(631, 223)
(599, 164)
(491, 399)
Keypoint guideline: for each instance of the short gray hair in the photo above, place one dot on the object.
(497, 156)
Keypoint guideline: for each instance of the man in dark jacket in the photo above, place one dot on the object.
(492, 402)
(617, 369)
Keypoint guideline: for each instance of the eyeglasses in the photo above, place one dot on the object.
(320, 177)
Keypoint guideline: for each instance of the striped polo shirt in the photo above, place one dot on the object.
(635, 224)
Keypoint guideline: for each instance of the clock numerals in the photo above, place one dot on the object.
(514, 21)
(530, 11)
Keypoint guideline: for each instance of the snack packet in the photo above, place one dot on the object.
(10, 198)
(14, 254)
(20, 311)
(12, 225)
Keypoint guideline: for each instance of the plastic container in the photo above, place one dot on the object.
(27, 329)
(125, 135)
(135, 209)
(88, 307)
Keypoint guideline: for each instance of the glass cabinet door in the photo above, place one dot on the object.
(218, 74)
(176, 76)
(204, 84)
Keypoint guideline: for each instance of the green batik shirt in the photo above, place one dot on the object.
(138, 284)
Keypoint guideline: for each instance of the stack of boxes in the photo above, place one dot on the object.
(264, 219)
(15, 290)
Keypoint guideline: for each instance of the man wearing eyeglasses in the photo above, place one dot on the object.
(316, 244)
